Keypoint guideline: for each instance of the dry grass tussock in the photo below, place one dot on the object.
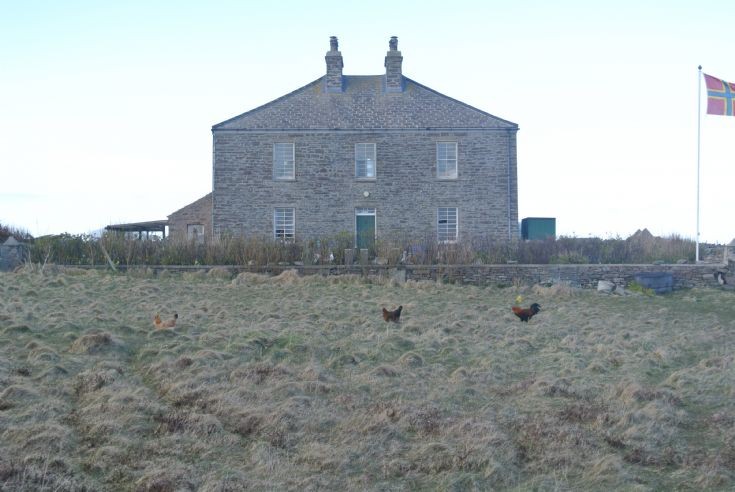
(296, 383)
(554, 291)
(286, 277)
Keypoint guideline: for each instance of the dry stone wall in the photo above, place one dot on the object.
(582, 276)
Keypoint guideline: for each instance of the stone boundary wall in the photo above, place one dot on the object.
(584, 276)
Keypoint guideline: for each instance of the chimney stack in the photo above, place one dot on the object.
(334, 67)
(393, 62)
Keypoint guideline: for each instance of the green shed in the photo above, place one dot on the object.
(538, 227)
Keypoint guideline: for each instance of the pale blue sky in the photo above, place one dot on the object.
(106, 107)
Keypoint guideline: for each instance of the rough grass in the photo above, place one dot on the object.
(297, 383)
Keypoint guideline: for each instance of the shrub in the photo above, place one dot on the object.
(19, 234)
(260, 251)
(636, 287)
(569, 258)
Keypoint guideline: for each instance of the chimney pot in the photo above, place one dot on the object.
(393, 70)
(333, 79)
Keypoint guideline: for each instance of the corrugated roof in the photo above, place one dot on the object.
(151, 225)
(364, 105)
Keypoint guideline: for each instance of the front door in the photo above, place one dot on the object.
(365, 228)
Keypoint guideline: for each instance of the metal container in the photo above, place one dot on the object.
(538, 228)
(660, 282)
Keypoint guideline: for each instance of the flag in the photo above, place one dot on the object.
(720, 96)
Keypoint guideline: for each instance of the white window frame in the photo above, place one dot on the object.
(364, 154)
(284, 223)
(284, 168)
(444, 224)
(446, 163)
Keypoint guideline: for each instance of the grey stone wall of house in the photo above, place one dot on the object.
(405, 192)
(199, 212)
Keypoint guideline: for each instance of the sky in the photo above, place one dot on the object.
(106, 107)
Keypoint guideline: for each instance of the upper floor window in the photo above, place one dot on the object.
(283, 161)
(284, 223)
(365, 160)
(446, 160)
(446, 227)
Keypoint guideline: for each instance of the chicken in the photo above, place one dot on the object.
(392, 315)
(526, 313)
(720, 277)
(159, 324)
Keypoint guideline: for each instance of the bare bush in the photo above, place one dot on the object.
(257, 251)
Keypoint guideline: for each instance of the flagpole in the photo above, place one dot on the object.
(699, 131)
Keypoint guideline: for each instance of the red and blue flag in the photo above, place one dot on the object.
(720, 96)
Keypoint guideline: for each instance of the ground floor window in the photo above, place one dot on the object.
(195, 232)
(446, 226)
(284, 224)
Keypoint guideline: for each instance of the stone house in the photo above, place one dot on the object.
(194, 221)
(377, 156)
(13, 254)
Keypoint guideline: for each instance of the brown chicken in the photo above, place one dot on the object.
(392, 315)
(526, 313)
(170, 323)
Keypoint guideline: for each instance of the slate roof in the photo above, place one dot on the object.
(364, 105)
(205, 200)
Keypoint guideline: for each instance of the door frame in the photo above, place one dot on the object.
(366, 212)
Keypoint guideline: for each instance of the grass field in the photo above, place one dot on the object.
(297, 383)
